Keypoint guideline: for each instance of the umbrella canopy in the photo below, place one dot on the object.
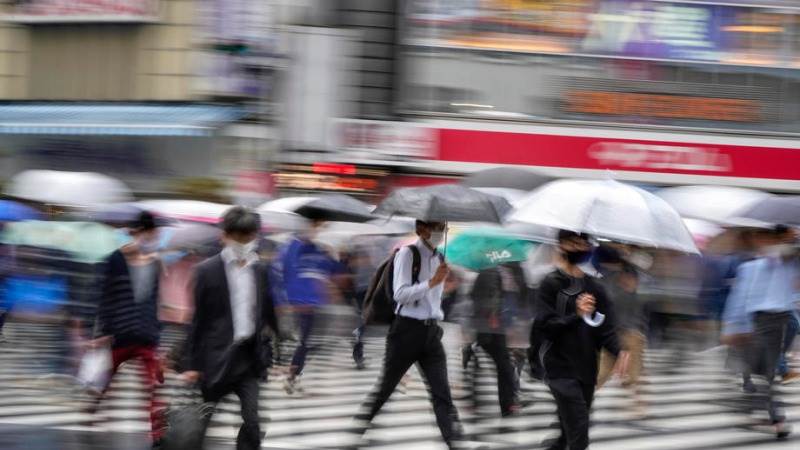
(775, 210)
(280, 215)
(512, 195)
(606, 209)
(506, 177)
(711, 203)
(114, 214)
(340, 234)
(11, 211)
(188, 210)
(336, 208)
(76, 189)
(482, 248)
(445, 202)
(85, 241)
(188, 235)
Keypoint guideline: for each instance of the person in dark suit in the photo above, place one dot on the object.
(226, 348)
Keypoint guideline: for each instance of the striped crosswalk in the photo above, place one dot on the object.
(691, 405)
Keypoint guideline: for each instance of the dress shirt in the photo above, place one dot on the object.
(417, 301)
(242, 289)
(762, 285)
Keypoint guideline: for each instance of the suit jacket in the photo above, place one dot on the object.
(210, 347)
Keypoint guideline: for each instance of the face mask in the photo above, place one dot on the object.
(242, 251)
(437, 237)
(147, 246)
(123, 237)
(781, 250)
(577, 257)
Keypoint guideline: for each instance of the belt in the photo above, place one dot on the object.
(423, 322)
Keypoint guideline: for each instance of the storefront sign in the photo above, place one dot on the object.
(600, 153)
(55, 11)
(662, 106)
(381, 140)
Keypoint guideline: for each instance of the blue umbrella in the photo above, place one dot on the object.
(11, 211)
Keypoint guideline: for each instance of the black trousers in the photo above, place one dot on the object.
(573, 401)
(246, 389)
(408, 342)
(769, 332)
(495, 346)
(242, 380)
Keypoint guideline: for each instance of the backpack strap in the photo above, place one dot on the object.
(416, 263)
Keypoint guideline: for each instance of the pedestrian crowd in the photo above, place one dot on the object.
(574, 308)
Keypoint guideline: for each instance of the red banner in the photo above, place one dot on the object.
(583, 152)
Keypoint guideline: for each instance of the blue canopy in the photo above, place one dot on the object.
(130, 119)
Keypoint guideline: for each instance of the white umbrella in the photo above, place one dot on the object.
(511, 195)
(606, 209)
(716, 204)
(76, 189)
(189, 210)
(280, 213)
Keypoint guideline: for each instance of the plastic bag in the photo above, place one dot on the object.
(95, 369)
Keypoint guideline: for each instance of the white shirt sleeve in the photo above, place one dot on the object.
(404, 291)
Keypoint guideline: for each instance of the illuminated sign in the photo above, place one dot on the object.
(662, 106)
(329, 177)
(57, 11)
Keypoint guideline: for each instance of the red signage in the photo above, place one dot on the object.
(585, 152)
(84, 11)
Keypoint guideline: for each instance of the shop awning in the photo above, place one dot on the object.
(115, 119)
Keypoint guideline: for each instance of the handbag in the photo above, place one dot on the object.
(186, 421)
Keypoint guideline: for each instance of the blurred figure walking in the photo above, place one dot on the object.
(493, 294)
(621, 280)
(307, 272)
(761, 306)
(415, 335)
(127, 318)
(573, 321)
(226, 347)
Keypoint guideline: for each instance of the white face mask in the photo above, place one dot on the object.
(781, 250)
(436, 239)
(242, 251)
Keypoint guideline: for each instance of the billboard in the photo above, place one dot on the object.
(60, 11)
(703, 31)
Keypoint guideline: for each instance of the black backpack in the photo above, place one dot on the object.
(379, 305)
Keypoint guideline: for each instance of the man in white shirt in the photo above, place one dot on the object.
(415, 336)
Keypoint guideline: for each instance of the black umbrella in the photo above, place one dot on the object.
(784, 210)
(506, 177)
(445, 203)
(336, 208)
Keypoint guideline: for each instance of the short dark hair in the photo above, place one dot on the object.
(564, 235)
(146, 221)
(240, 220)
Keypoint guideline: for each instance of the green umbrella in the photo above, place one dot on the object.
(482, 248)
(86, 241)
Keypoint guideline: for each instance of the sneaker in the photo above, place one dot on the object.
(288, 386)
(467, 353)
(790, 377)
(782, 430)
(361, 364)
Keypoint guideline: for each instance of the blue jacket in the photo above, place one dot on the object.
(305, 269)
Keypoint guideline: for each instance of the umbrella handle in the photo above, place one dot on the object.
(446, 229)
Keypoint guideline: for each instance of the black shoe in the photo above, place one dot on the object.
(748, 387)
(782, 430)
(467, 353)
